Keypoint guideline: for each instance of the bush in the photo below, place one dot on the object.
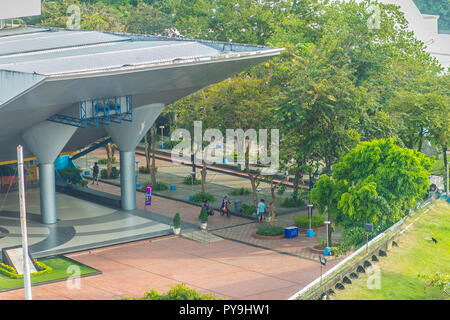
(303, 222)
(203, 217)
(72, 173)
(240, 192)
(248, 209)
(12, 273)
(114, 173)
(171, 144)
(144, 170)
(176, 220)
(270, 231)
(202, 197)
(158, 186)
(105, 160)
(179, 292)
(82, 183)
(188, 180)
(293, 203)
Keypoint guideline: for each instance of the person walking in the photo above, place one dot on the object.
(95, 172)
(261, 210)
(208, 208)
(224, 208)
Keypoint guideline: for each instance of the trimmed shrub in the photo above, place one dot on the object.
(248, 209)
(293, 203)
(303, 222)
(178, 292)
(12, 273)
(201, 197)
(114, 173)
(176, 220)
(240, 192)
(188, 180)
(158, 186)
(105, 160)
(203, 217)
(270, 231)
(74, 174)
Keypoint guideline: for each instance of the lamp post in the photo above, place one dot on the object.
(23, 224)
(327, 251)
(162, 136)
(310, 232)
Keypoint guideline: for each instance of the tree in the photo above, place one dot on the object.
(110, 149)
(377, 181)
(145, 19)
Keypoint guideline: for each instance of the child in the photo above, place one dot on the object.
(261, 210)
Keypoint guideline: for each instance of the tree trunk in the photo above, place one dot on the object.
(153, 166)
(298, 173)
(147, 153)
(419, 148)
(204, 172)
(330, 232)
(272, 203)
(252, 177)
(444, 149)
(109, 156)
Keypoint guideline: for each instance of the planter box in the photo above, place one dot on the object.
(259, 236)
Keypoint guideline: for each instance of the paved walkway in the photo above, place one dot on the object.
(227, 268)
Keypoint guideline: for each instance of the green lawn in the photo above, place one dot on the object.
(59, 266)
(414, 255)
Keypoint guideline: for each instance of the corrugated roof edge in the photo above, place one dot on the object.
(218, 45)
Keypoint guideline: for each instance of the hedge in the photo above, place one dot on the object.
(270, 231)
(303, 222)
(12, 273)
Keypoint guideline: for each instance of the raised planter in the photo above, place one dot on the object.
(318, 250)
(259, 236)
(303, 230)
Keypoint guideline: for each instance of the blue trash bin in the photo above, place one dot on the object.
(173, 187)
(327, 252)
(291, 232)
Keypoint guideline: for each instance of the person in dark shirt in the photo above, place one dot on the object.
(95, 172)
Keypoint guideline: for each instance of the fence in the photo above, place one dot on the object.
(357, 260)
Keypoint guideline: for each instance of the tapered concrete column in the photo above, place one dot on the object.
(127, 180)
(46, 140)
(47, 192)
(127, 135)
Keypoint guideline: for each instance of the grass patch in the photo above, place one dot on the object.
(60, 272)
(415, 255)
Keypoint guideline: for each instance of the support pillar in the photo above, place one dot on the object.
(46, 141)
(128, 180)
(127, 136)
(47, 192)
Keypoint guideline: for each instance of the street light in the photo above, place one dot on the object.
(162, 137)
(310, 232)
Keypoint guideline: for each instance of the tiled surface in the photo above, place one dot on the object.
(227, 268)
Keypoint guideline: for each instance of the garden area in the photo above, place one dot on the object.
(418, 269)
(50, 270)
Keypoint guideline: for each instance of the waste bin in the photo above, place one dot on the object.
(291, 232)
(238, 206)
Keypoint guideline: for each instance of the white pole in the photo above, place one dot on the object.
(23, 224)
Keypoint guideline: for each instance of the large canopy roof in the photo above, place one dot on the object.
(44, 71)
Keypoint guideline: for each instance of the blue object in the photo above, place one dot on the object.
(327, 252)
(225, 160)
(291, 232)
(162, 147)
(191, 198)
(86, 173)
(138, 185)
(310, 233)
(173, 187)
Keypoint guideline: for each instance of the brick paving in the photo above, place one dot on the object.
(226, 260)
